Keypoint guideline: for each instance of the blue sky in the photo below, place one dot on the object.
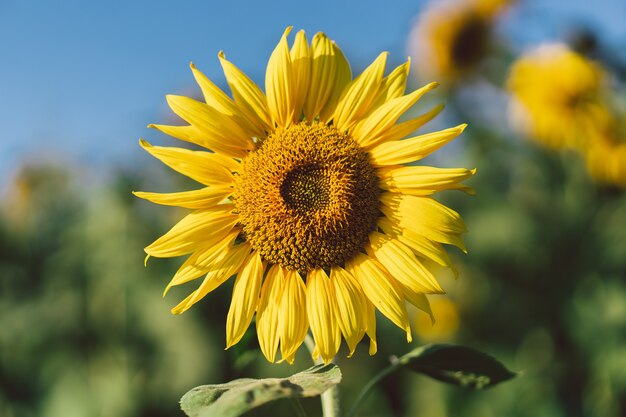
(79, 80)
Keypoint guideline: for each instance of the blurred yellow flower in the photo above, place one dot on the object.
(450, 38)
(308, 199)
(606, 157)
(557, 96)
(447, 321)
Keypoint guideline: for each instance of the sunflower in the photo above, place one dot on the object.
(451, 38)
(558, 96)
(606, 157)
(308, 199)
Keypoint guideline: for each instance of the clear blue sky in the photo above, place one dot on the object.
(80, 80)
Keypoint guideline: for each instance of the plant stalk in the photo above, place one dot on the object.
(330, 397)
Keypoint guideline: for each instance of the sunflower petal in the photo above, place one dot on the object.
(292, 318)
(267, 312)
(349, 306)
(340, 78)
(412, 149)
(424, 216)
(226, 134)
(419, 300)
(330, 73)
(229, 266)
(380, 289)
(422, 180)
(371, 327)
(402, 130)
(195, 199)
(393, 85)
(246, 292)
(324, 326)
(301, 64)
(187, 133)
(280, 84)
(205, 167)
(402, 264)
(247, 94)
(216, 98)
(196, 229)
(420, 245)
(202, 260)
(359, 94)
(369, 130)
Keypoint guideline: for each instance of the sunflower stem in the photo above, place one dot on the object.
(370, 385)
(330, 397)
(298, 408)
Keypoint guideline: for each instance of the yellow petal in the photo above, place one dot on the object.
(246, 292)
(280, 84)
(369, 130)
(330, 73)
(419, 300)
(422, 180)
(412, 149)
(229, 265)
(292, 318)
(402, 130)
(204, 167)
(247, 94)
(420, 245)
(393, 85)
(340, 78)
(227, 136)
(324, 325)
(424, 216)
(216, 98)
(202, 260)
(380, 289)
(189, 134)
(301, 64)
(196, 199)
(267, 312)
(371, 327)
(200, 228)
(359, 95)
(349, 306)
(402, 264)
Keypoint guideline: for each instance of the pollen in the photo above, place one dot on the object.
(308, 197)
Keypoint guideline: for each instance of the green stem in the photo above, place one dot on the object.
(297, 405)
(370, 385)
(330, 397)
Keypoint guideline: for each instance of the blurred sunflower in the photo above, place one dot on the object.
(558, 96)
(605, 154)
(308, 200)
(452, 37)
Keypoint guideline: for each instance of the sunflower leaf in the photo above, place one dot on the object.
(237, 397)
(457, 365)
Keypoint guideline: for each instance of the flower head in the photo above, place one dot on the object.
(451, 38)
(558, 96)
(605, 154)
(308, 199)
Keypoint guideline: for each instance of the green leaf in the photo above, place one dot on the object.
(236, 397)
(458, 365)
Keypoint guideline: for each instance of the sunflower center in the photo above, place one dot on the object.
(307, 197)
(470, 44)
(306, 188)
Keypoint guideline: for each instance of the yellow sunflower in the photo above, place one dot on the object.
(558, 96)
(452, 37)
(308, 199)
(606, 157)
